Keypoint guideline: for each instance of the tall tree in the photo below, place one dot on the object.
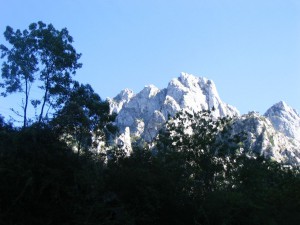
(18, 71)
(84, 118)
(44, 54)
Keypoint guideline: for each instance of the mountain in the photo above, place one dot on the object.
(275, 135)
(285, 119)
(264, 138)
(144, 113)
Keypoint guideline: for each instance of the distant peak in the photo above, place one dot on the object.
(150, 87)
(281, 105)
(190, 81)
(150, 90)
(187, 77)
(280, 108)
(124, 95)
(126, 91)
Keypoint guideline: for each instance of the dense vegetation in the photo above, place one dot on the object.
(43, 181)
(51, 171)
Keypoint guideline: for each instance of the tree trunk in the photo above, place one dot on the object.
(26, 103)
(44, 102)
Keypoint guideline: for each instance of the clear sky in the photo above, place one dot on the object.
(249, 48)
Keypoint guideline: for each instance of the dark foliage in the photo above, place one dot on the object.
(44, 182)
(39, 56)
(83, 117)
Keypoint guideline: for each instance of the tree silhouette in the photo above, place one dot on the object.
(41, 55)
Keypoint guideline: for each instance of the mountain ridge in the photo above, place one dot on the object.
(145, 112)
(142, 115)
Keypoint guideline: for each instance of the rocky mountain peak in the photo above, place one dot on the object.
(145, 112)
(149, 91)
(285, 119)
(190, 81)
(122, 98)
(275, 135)
(263, 138)
(280, 106)
(125, 94)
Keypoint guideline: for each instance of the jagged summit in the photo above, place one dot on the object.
(280, 106)
(263, 138)
(125, 94)
(149, 91)
(285, 119)
(145, 112)
(122, 98)
(275, 135)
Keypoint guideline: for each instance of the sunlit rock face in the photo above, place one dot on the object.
(124, 141)
(117, 102)
(275, 135)
(263, 138)
(285, 119)
(145, 113)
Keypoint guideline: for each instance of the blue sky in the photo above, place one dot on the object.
(249, 48)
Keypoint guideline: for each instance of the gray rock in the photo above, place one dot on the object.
(146, 112)
(263, 138)
(285, 119)
(276, 135)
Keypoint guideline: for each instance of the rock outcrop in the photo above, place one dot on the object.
(285, 119)
(276, 134)
(263, 138)
(146, 112)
